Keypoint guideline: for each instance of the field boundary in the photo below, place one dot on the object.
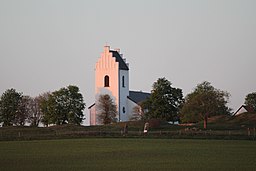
(51, 133)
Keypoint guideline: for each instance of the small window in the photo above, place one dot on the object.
(106, 81)
(123, 109)
(123, 81)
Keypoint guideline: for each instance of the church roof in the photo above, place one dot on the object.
(138, 96)
(119, 59)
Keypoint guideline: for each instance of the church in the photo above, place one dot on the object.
(112, 78)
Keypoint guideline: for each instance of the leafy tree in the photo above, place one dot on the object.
(250, 100)
(69, 105)
(76, 105)
(106, 109)
(47, 107)
(203, 102)
(9, 106)
(164, 102)
(63, 106)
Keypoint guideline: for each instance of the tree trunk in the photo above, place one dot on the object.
(205, 121)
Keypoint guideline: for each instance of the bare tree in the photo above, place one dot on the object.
(22, 113)
(34, 112)
(137, 113)
(29, 111)
(106, 109)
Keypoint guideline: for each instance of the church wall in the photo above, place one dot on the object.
(107, 66)
(111, 80)
(124, 92)
(93, 119)
(130, 107)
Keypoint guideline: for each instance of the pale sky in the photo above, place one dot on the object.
(49, 44)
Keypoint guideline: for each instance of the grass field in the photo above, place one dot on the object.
(128, 154)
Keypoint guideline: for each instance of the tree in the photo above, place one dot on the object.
(9, 106)
(203, 102)
(23, 112)
(250, 100)
(137, 114)
(106, 109)
(69, 105)
(34, 111)
(47, 107)
(164, 102)
(76, 105)
(63, 106)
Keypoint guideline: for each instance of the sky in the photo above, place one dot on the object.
(49, 44)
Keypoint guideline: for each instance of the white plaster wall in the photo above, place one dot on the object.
(242, 110)
(124, 92)
(106, 65)
(93, 118)
(130, 106)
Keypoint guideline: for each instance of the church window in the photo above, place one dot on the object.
(123, 109)
(106, 81)
(123, 81)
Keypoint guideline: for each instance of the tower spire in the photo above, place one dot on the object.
(106, 47)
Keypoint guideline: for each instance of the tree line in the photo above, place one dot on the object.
(62, 106)
(167, 103)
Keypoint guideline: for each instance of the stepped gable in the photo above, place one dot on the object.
(119, 59)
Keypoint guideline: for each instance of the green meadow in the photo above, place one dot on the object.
(133, 154)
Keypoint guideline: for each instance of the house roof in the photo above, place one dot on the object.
(119, 59)
(138, 96)
(247, 108)
(135, 96)
(91, 106)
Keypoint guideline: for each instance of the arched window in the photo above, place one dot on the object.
(106, 81)
(123, 81)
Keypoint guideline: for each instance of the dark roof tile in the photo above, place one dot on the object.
(119, 59)
(138, 96)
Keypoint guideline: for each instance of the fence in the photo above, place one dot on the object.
(246, 134)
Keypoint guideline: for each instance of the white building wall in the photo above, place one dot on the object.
(93, 118)
(130, 105)
(242, 110)
(124, 93)
(107, 66)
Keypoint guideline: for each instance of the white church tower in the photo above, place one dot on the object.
(112, 78)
